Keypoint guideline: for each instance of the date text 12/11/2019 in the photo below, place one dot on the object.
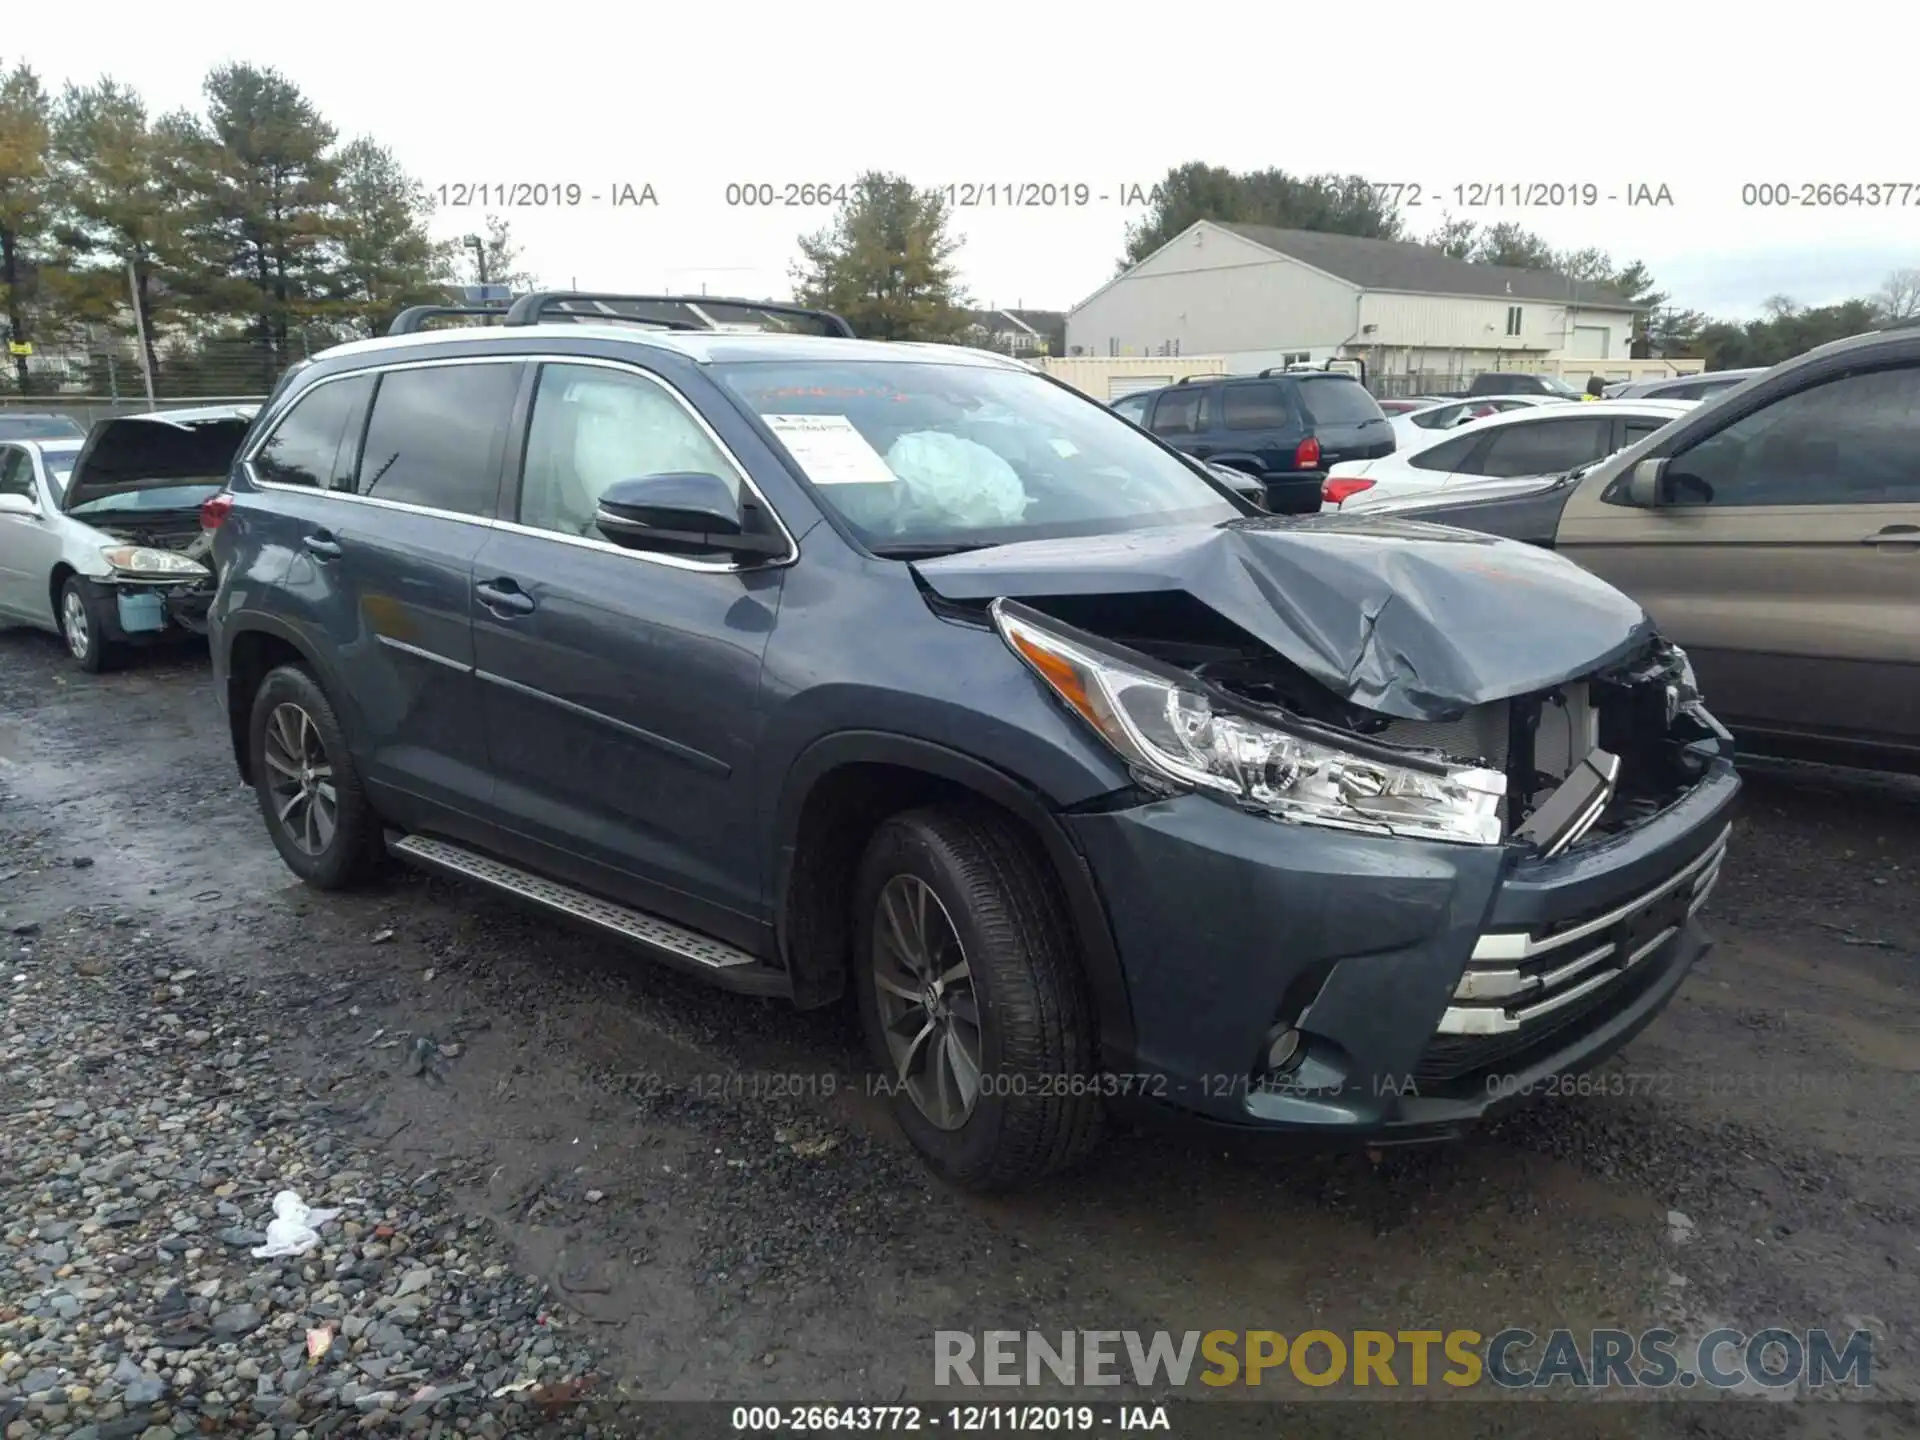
(544, 194)
(1522, 194)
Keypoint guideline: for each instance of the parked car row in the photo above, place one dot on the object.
(830, 669)
(1773, 530)
(1523, 441)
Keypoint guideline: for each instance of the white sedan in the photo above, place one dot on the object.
(1532, 440)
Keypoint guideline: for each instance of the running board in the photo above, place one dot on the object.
(715, 960)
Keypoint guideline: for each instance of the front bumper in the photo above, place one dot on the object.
(133, 612)
(1432, 983)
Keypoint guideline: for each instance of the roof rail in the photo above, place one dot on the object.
(698, 312)
(415, 317)
(1199, 379)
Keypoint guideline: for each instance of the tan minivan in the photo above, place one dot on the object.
(1774, 533)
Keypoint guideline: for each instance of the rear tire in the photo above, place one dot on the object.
(84, 629)
(1001, 996)
(307, 784)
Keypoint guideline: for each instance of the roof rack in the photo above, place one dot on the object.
(415, 317)
(698, 312)
(1324, 367)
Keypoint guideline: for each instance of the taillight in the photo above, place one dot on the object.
(1335, 491)
(1307, 456)
(215, 509)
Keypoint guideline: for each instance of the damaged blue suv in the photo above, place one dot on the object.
(825, 669)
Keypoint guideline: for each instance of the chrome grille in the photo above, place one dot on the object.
(1517, 981)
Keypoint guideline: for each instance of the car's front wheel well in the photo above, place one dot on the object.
(56, 586)
(253, 655)
(842, 811)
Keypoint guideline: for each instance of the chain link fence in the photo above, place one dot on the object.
(106, 376)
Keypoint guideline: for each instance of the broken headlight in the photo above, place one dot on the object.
(1173, 733)
(144, 562)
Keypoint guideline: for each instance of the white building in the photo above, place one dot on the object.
(1417, 317)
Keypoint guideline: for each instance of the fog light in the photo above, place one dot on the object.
(1284, 1052)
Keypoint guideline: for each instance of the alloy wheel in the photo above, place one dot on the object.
(300, 779)
(73, 620)
(929, 1013)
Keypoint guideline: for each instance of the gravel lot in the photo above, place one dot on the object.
(569, 1180)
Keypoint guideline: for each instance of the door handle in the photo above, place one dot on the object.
(1895, 537)
(503, 596)
(322, 544)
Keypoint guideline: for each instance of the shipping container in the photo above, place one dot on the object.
(1113, 377)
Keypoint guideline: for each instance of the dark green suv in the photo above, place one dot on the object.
(1283, 427)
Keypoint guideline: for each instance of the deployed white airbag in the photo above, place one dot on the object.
(958, 482)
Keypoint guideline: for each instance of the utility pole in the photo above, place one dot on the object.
(479, 248)
(140, 325)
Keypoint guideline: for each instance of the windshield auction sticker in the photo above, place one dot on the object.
(830, 450)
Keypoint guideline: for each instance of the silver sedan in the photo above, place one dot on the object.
(101, 539)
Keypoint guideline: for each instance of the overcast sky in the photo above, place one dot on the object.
(690, 98)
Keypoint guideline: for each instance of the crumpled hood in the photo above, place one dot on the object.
(1407, 619)
(147, 452)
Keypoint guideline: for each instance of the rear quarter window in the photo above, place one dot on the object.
(305, 444)
(1449, 455)
(1256, 407)
(1337, 401)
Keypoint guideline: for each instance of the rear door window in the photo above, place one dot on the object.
(1635, 428)
(1177, 412)
(1544, 447)
(1854, 440)
(434, 437)
(1254, 406)
(16, 472)
(304, 448)
(1337, 400)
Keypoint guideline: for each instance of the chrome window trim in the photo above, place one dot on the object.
(673, 562)
(485, 522)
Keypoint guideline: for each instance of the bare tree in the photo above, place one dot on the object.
(1778, 307)
(1898, 297)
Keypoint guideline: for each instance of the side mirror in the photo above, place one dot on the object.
(679, 512)
(1647, 484)
(18, 505)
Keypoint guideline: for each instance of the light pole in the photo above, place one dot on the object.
(479, 248)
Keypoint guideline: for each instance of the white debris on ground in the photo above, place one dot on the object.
(148, 1126)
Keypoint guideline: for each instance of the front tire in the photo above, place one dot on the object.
(973, 1000)
(84, 629)
(307, 784)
